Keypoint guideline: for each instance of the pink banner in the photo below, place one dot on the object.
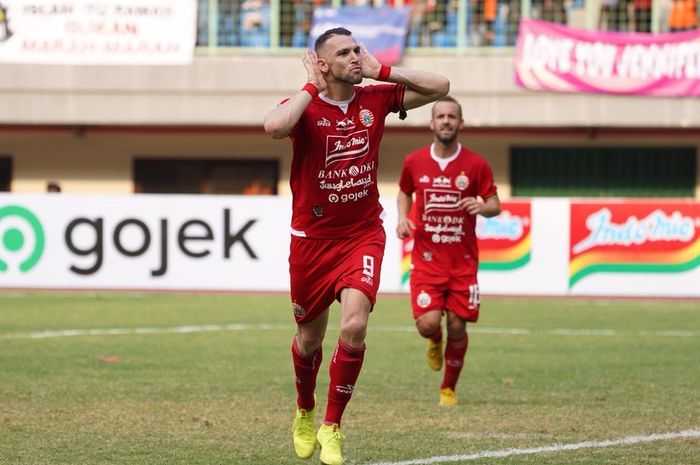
(556, 58)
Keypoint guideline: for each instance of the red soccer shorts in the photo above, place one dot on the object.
(459, 295)
(321, 268)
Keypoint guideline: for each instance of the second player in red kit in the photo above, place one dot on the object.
(451, 186)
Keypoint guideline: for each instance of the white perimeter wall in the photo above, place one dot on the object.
(250, 254)
(238, 89)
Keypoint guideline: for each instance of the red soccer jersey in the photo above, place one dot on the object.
(445, 237)
(335, 161)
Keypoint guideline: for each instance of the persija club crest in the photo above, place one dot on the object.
(462, 181)
(366, 117)
(423, 299)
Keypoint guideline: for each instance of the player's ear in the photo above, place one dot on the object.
(323, 65)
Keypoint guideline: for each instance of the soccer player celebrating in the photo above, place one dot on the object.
(337, 235)
(452, 185)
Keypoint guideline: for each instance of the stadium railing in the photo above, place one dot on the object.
(283, 25)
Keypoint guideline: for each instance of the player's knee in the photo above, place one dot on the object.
(355, 328)
(456, 326)
(456, 329)
(309, 342)
(427, 328)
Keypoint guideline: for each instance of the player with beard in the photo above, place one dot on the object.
(451, 185)
(337, 234)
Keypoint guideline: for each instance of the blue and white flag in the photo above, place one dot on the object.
(382, 30)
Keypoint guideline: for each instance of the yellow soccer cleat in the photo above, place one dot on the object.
(434, 355)
(303, 433)
(329, 437)
(448, 397)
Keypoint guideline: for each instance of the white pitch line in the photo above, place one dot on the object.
(132, 331)
(47, 334)
(689, 433)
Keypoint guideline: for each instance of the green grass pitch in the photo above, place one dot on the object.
(539, 372)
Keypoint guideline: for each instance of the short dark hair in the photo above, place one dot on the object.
(336, 31)
(446, 98)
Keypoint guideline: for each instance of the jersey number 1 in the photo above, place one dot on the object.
(474, 297)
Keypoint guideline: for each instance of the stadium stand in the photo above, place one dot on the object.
(435, 23)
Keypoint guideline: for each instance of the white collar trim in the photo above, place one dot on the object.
(443, 162)
(343, 104)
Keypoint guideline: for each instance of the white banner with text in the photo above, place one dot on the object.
(98, 32)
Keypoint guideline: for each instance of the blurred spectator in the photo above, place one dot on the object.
(642, 15)
(229, 23)
(257, 187)
(295, 18)
(414, 37)
(552, 11)
(428, 18)
(485, 12)
(613, 15)
(53, 187)
(434, 18)
(252, 17)
(255, 30)
(513, 8)
(683, 15)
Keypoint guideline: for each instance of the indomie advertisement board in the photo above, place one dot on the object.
(638, 247)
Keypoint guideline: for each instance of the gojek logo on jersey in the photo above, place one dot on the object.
(21, 239)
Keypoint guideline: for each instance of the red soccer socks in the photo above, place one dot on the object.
(306, 370)
(455, 351)
(344, 369)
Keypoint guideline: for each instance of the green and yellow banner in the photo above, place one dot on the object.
(505, 241)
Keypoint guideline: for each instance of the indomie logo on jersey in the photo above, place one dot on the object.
(441, 200)
(339, 148)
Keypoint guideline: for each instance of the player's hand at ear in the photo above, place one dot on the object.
(405, 228)
(315, 76)
(370, 65)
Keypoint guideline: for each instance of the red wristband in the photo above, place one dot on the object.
(311, 89)
(384, 73)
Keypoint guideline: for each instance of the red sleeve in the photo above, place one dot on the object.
(397, 103)
(406, 179)
(486, 187)
(391, 96)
